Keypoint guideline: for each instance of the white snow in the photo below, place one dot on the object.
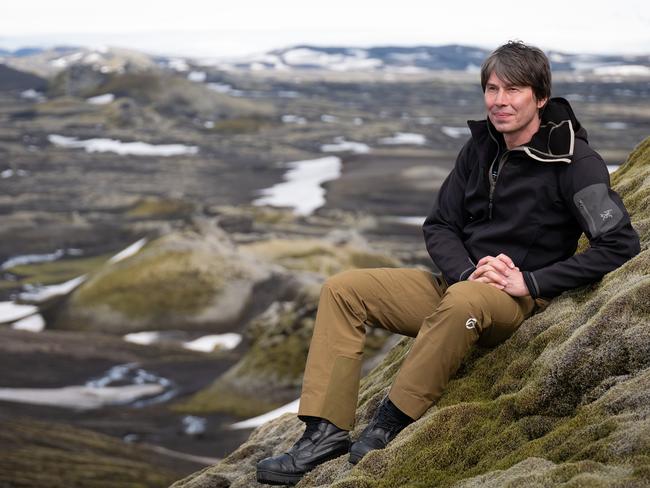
(293, 119)
(178, 64)
(262, 419)
(623, 70)
(329, 119)
(302, 189)
(104, 99)
(143, 338)
(38, 294)
(404, 138)
(33, 323)
(341, 145)
(123, 148)
(129, 251)
(225, 88)
(353, 60)
(210, 342)
(197, 76)
(32, 94)
(613, 167)
(8, 173)
(80, 397)
(32, 258)
(10, 311)
(455, 132)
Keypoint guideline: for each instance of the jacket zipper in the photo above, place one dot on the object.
(582, 206)
(493, 180)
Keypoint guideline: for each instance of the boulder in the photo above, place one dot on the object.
(193, 279)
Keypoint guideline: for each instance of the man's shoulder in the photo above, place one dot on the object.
(582, 150)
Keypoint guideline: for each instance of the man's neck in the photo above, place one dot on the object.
(521, 137)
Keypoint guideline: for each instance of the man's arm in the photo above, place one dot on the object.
(443, 226)
(602, 217)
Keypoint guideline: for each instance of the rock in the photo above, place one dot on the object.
(192, 279)
(563, 402)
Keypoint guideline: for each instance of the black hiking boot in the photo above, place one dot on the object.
(321, 442)
(387, 422)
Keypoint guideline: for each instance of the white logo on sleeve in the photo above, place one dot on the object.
(607, 214)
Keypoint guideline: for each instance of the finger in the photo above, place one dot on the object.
(500, 266)
(496, 278)
(506, 259)
(484, 260)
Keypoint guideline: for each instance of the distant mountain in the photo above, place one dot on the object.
(12, 79)
(397, 59)
(422, 59)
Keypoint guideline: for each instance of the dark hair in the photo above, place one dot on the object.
(519, 64)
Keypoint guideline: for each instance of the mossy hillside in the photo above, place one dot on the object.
(184, 279)
(566, 397)
(35, 453)
(318, 255)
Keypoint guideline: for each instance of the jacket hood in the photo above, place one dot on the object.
(554, 142)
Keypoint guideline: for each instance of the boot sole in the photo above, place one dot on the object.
(275, 478)
(355, 458)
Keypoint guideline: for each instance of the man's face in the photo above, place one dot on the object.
(512, 109)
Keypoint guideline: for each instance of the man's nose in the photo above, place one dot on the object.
(501, 98)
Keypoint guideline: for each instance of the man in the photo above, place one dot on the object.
(503, 232)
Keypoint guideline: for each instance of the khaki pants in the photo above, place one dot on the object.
(445, 321)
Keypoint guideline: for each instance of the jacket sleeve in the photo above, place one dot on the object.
(443, 226)
(602, 217)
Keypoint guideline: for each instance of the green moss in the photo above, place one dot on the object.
(149, 208)
(35, 453)
(222, 397)
(157, 283)
(56, 271)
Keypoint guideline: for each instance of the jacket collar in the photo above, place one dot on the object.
(554, 142)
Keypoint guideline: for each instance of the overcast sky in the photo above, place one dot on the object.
(215, 28)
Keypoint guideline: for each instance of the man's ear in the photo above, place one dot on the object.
(541, 102)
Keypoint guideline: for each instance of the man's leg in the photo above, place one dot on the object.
(395, 299)
(468, 312)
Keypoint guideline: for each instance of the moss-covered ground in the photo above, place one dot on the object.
(39, 454)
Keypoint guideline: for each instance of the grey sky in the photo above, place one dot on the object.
(214, 28)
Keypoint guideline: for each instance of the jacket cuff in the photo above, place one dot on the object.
(531, 283)
(465, 274)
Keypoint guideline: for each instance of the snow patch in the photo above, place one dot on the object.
(404, 138)
(129, 251)
(104, 99)
(10, 311)
(211, 342)
(262, 419)
(123, 148)
(302, 189)
(455, 132)
(33, 323)
(341, 145)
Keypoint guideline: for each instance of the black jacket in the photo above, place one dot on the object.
(544, 196)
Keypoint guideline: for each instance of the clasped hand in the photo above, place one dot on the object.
(500, 272)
